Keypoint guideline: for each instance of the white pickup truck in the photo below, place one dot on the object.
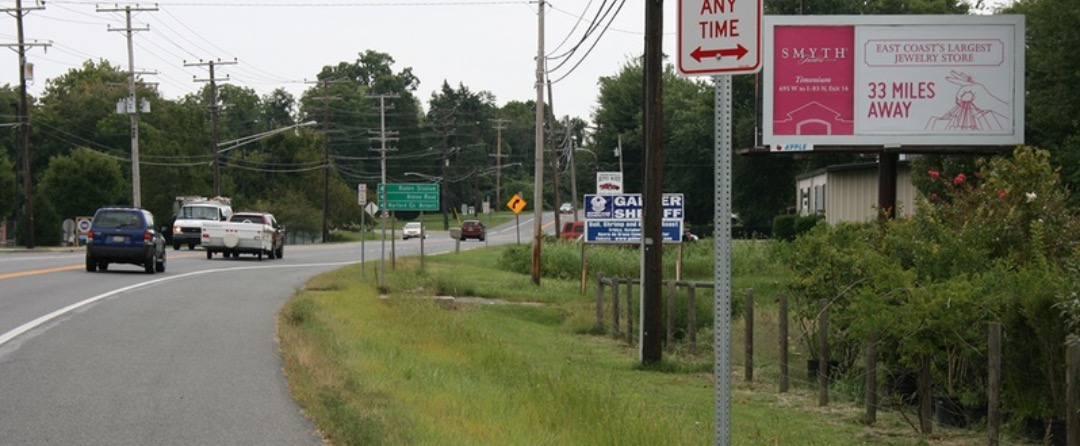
(191, 213)
(255, 233)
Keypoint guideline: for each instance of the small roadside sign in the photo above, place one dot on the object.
(371, 208)
(719, 36)
(361, 194)
(516, 204)
(83, 224)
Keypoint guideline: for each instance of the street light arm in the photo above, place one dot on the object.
(252, 138)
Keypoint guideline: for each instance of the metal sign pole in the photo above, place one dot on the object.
(722, 252)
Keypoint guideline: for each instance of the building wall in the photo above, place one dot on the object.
(851, 193)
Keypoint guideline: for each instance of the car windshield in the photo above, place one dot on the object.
(412, 225)
(199, 213)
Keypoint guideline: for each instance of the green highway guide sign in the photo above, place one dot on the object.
(409, 197)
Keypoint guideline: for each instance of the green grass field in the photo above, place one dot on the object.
(522, 367)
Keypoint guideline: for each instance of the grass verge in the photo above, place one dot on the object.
(410, 370)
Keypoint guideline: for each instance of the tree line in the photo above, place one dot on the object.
(80, 156)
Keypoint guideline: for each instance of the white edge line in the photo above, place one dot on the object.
(22, 329)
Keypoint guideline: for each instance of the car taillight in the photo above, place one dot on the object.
(89, 234)
(147, 236)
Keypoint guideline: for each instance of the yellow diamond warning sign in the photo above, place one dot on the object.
(516, 204)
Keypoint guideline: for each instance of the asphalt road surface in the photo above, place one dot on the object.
(187, 357)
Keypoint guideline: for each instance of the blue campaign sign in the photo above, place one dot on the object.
(629, 207)
(617, 218)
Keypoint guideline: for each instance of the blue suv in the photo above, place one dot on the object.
(124, 235)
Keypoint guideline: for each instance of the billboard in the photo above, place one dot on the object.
(893, 80)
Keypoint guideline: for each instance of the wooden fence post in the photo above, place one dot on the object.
(748, 337)
(672, 287)
(823, 361)
(783, 343)
(1072, 361)
(630, 311)
(993, 390)
(615, 306)
(926, 409)
(600, 302)
(691, 316)
(871, 380)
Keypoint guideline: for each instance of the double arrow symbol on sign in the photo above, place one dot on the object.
(739, 51)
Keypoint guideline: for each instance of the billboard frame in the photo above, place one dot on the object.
(858, 138)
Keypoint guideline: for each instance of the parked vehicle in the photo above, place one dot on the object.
(473, 229)
(124, 235)
(573, 230)
(413, 229)
(566, 208)
(255, 233)
(192, 213)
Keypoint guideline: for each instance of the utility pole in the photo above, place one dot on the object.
(444, 122)
(383, 138)
(500, 124)
(24, 117)
(326, 158)
(619, 149)
(538, 170)
(214, 107)
(132, 105)
(573, 169)
(554, 160)
(652, 240)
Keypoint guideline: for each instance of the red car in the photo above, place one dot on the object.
(473, 229)
(573, 230)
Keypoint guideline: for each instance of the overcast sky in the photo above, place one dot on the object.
(485, 45)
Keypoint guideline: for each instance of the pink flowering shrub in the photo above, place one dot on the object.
(993, 243)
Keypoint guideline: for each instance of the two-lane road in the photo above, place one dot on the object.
(185, 357)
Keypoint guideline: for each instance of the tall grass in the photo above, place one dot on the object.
(404, 369)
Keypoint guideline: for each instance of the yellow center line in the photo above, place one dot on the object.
(35, 272)
(38, 271)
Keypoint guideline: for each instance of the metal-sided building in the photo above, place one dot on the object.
(849, 192)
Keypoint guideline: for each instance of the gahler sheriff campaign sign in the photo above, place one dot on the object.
(617, 218)
(893, 80)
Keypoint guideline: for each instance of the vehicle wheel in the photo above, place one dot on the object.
(482, 238)
(148, 265)
(209, 254)
(176, 246)
(280, 252)
(159, 266)
(270, 254)
(259, 255)
(191, 246)
(91, 266)
(103, 266)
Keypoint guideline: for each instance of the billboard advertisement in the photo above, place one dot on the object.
(893, 80)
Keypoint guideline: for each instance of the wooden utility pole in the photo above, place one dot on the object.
(383, 138)
(444, 123)
(24, 119)
(652, 286)
(554, 160)
(214, 108)
(500, 124)
(326, 158)
(132, 104)
(538, 170)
